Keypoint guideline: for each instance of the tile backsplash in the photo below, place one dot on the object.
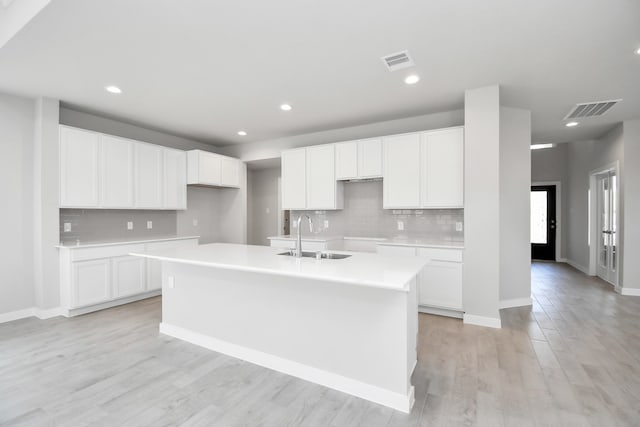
(363, 216)
(95, 225)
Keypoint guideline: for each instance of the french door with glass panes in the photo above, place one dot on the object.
(607, 238)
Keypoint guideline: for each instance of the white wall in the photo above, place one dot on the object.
(271, 149)
(515, 185)
(550, 164)
(17, 120)
(630, 272)
(481, 275)
(583, 158)
(263, 209)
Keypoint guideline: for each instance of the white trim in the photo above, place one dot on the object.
(559, 218)
(579, 267)
(356, 388)
(16, 315)
(489, 322)
(47, 313)
(440, 311)
(108, 304)
(561, 260)
(515, 302)
(629, 291)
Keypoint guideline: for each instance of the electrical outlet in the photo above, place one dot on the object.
(458, 226)
(400, 225)
(129, 225)
(171, 282)
(294, 224)
(195, 222)
(149, 225)
(326, 223)
(67, 227)
(267, 211)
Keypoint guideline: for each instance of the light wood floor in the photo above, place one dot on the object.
(571, 359)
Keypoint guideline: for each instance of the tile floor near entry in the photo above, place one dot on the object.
(572, 359)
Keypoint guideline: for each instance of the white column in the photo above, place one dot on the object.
(631, 238)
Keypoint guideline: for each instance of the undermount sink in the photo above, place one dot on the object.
(323, 255)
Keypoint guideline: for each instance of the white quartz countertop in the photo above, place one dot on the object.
(307, 238)
(362, 269)
(121, 242)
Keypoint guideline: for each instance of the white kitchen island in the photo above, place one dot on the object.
(348, 324)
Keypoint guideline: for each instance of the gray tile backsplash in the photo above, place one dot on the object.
(363, 216)
(95, 225)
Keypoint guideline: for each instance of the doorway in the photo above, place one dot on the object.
(543, 222)
(607, 223)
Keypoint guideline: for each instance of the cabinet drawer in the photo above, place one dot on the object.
(397, 250)
(105, 252)
(444, 255)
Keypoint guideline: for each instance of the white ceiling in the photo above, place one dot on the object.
(206, 69)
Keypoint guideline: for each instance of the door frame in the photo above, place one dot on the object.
(593, 214)
(558, 186)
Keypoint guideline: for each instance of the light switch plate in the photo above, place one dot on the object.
(458, 226)
(67, 227)
(267, 211)
(171, 282)
(129, 225)
(149, 225)
(326, 223)
(400, 225)
(195, 222)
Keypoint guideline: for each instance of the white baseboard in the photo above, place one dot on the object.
(97, 307)
(489, 322)
(516, 302)
(398, 401)
(630, 291)
(440, 311)
(40, 313)
(577, 266)
(561, 260)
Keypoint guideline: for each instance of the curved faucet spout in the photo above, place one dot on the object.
(299, 239)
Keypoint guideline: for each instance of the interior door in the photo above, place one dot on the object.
(543, 222)
(607, 226)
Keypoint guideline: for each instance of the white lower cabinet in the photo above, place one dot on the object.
(440, 281)
(94, 277)
(91, 282)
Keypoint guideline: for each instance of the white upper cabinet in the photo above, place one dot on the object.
(347, 160)
(321, 178)
(294, 179)
(175, 179)
(359, 159)
(370, 158)
(205, 168)
(229, 172)
(442, 158)
(79, 168)
(117, 173)
(149, 162)
(401, 183)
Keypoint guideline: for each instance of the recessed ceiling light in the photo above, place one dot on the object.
(412, 79)
(113, 89)
(242, 133)
(571, 124)
(286, 107)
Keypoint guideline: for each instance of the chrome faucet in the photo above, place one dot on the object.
(298, 251)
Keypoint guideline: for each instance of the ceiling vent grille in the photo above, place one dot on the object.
(398, 61)
(591, 109)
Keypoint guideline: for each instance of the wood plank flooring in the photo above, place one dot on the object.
(571, 359)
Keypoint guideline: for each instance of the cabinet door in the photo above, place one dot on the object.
(79, 169)
(175, 179)
(209, 168)
(91, 282)
(294, 190)
(401, 184)
(229, 172)
(321, 177)
(117, 172)
(128, 276)
(440, 285)
(370, 158)
(442, 180)
(148, 175)
(347, 160)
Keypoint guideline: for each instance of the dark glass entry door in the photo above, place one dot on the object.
(543, 222)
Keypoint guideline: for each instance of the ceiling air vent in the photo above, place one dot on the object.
(398, 61)
(591, 109)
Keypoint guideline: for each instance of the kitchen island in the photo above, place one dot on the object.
(349, 324)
